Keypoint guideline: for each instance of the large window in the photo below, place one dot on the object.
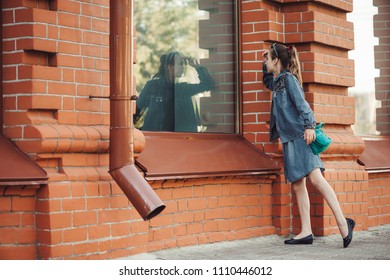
(186, 66)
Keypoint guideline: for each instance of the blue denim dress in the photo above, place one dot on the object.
(291, 115)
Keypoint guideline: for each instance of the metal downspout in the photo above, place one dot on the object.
(122, 103)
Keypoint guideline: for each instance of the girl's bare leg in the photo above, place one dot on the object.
(326, 190)
(303, 201)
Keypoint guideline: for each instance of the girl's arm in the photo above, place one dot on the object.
(206, 83)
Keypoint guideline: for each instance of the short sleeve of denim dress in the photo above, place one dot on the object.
(292, 116)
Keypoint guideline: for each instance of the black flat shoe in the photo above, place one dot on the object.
(348, 238)
(305, 240)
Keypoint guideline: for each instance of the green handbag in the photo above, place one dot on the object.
(322, 141)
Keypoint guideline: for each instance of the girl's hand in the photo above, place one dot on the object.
(193, 62)
(265, 56)
(309, 135)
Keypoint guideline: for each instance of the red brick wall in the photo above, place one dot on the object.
(56, 78)
(1, 71)
(211, 209)
(56, 60)
(378, 194)
(17, 222)
(378, 199)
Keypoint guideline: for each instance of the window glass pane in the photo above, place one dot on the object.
(365, 72)
(186, 69)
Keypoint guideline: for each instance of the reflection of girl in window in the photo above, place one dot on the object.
(166, 105)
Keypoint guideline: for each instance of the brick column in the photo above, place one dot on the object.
(382, 51)
(56, 109)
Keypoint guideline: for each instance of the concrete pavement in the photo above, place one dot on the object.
(373, 244)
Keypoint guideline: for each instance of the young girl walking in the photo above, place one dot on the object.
(292, 120)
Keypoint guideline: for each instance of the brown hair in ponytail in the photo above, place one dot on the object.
(289, 59)
(294, 65)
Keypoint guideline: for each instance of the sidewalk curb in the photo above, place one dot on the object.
(373, 244)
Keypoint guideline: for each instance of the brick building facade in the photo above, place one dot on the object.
(55, 88)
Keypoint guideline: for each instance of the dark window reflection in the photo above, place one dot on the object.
(191, 89)
(167, 105)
